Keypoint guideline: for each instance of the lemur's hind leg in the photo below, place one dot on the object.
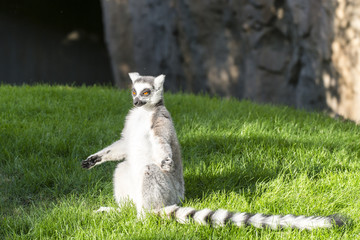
(114, 152)
(123, 187)
(125, 183)
(156, 191)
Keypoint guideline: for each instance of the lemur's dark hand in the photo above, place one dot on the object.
(167, 164)
(90, 161)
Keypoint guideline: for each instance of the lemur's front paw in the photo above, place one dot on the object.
(167, 164)
(90, 161)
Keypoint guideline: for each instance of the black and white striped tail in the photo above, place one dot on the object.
(222, 217)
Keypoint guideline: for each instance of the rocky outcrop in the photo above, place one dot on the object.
(301, 53)
(346, 59)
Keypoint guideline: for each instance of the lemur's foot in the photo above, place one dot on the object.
(106, 209)
(90, 161)
(167, 164)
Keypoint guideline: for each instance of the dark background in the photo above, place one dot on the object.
(55, 42)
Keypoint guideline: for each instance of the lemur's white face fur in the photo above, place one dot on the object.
(146, 90)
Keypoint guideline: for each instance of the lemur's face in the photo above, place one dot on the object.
(142, 93)
(147, 91)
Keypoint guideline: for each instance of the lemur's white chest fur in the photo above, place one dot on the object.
(139, 143)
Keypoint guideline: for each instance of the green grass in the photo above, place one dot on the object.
(237, 155)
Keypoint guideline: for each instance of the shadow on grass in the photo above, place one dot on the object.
(226, 164)
(252, 160)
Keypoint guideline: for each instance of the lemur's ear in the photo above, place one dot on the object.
(134, 76)
(159, 81)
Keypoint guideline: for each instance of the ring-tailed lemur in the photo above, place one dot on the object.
(152, 173)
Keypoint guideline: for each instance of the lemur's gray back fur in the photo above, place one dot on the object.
(162, 125)
(152, 173)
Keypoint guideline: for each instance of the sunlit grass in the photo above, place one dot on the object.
(237, 155)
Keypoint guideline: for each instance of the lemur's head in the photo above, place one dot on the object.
(147, 90)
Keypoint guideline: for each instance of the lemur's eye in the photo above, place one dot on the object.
(146, 93)
(133, 92)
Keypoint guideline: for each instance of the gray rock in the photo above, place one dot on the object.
(278, 51)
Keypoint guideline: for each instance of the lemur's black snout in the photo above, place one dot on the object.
(137, 102)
